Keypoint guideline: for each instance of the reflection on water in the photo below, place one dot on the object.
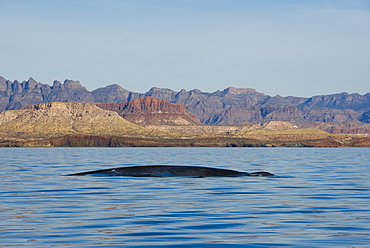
(320, 197)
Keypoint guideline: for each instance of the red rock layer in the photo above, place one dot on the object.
(152, 111)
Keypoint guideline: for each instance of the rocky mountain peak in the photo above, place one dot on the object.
(3, 85)
(233, 90)
(116, 87)
(156, 90)
(229, 106)
(31, 80)
(56, 84)
(70, 84)
(30, 84)
(16, 87)
(161, 93)
(113, 94)
(196, 91)
(110, 89)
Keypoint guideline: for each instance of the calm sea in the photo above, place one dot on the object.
(320, 197)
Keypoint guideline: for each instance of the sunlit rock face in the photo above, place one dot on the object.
(152, 111)
(57, 119)
(231, 106)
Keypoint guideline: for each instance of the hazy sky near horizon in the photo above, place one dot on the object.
(299, 48)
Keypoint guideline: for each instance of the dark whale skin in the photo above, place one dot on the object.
(169, 170)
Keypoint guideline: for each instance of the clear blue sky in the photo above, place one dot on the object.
(299, 48)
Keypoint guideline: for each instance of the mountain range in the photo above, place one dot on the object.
(230, 106)
(85, 124)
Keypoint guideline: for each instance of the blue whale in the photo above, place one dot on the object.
(170, 170)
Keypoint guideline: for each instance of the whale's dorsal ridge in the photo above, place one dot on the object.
(261, 174)
(170, 170)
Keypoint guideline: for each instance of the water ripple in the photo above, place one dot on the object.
(319, 198)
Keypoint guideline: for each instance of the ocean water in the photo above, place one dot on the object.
(320, 197)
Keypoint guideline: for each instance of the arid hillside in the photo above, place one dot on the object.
(57, 119)
(231, 106)
(85, 124)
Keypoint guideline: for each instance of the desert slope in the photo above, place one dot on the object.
(231, 106)
(57, 119)
(85, 124)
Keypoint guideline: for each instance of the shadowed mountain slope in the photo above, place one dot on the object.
(226, 107)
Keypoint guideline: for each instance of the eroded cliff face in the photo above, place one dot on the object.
(237, 106)
(57, 119)
(229, 106)
(84, 124)
(152, 111)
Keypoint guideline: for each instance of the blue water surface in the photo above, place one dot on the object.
(320, 197)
